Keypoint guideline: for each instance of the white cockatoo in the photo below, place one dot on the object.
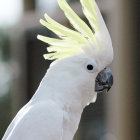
(79, 71)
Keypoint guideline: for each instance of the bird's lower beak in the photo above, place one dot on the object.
(104, 80)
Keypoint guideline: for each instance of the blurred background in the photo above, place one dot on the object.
(114, 116)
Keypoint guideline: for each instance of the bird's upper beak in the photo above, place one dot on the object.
(104, 80)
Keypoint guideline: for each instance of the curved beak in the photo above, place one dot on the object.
(104, 80)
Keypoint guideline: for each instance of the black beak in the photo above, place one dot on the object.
(104, 80)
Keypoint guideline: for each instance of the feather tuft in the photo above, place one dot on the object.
(70, 41)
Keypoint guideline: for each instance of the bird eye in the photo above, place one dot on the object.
(90, 67)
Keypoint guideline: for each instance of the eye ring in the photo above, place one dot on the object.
(91, 66)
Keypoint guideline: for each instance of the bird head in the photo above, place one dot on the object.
(82, 56)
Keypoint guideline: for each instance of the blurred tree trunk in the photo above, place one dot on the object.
(29, 5)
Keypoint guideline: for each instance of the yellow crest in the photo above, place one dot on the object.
(71, 42)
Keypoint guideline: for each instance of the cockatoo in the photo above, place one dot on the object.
(79, 72)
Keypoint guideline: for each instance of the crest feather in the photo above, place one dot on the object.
(59, 42)
(71, 41)
(89, 9)
(75, 20)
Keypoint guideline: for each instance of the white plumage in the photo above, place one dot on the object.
(54, 111)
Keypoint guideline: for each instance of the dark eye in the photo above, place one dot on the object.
(90, 67)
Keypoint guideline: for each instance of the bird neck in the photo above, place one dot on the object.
(67, 96)
(69, 93)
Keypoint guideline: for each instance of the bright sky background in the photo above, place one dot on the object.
(10, 12)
